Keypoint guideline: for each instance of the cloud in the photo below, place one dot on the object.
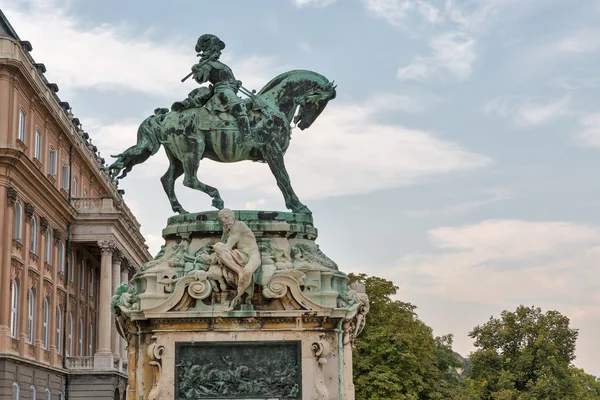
(394, 11)
(347, 151)
(494, 195)
(255, 205)
(452, 53)
(580, 42)
(109, 57)
(314, 3)
(589, 132)
(529, 111)
(510, 262)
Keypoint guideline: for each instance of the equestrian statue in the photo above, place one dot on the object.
(214, 123)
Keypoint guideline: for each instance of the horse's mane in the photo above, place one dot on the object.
(295, 75)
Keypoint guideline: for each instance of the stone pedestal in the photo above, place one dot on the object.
(289, 338)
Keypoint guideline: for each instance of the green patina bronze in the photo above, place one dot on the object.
(214, 123)
(238, 370)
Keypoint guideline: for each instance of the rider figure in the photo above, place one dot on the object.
(225, 86)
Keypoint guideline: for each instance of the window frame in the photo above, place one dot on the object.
(37, 149)
(70, 336)
(53, 162)
(75, 188)
(31, 316)
(81, 334)
(22, 125)
(46, 324)
(65, 176)
(91, 340)
(48, 252)
(16, 393)
(32, 392)
(61, 257)
(59, 327)
(34, 235)
(18, 223)
(14, 311)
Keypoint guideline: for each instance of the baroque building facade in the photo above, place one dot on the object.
(67, 240)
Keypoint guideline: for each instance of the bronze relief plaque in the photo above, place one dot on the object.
(238, 370)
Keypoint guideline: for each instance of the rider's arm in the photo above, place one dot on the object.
(201, 72)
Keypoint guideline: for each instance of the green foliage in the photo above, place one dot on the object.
(396, 356)
(527, 355)
(523, 355)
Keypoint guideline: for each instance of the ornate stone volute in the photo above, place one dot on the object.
(57, 235)
(43, 225)
(11, 195)
(107, 247)
(155, 354)
(29, 210)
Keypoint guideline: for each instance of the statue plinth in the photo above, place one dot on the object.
(239, 305)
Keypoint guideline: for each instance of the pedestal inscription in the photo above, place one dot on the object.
(238, 370)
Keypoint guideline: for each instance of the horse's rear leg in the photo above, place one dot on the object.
(168, 181)
(190, 168)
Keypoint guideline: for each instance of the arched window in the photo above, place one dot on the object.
(91, 340)
(72, 268)
(15, 391)
(61, 257)
(34, 235)
(81, 334)
(92, 281)
(46, 322)
(52, 162)
(31, 316)
(32, 393)
(59, 319)
(18, 222)
(14, 311)
(22, 125)
(48, 394)
(61, 396)
(49, 246)
(38, 145)
(70, 337)
(82, 274)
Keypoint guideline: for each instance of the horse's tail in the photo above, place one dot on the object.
(148, 143)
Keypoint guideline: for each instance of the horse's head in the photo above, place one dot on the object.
(313, 103)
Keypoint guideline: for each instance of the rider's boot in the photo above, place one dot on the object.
(241, 117)
(182, 105)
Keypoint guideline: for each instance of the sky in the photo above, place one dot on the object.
(457, 159)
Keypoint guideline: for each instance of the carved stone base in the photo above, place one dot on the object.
(241, 358)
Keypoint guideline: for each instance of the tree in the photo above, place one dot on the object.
(396, 356)
(527, 355)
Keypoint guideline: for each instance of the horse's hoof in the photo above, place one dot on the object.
(218, 204)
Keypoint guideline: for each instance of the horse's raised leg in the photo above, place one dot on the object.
(168, 181)
(191, 162)
(275, 160)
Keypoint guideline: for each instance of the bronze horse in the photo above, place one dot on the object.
(193, 134)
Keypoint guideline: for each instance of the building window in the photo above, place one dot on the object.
(46, 315)
(61, 257)
(61, 396)
(18, 222)
(70, 337)
(48, 395)
(22, 125)
(59, 318)
(53, 162)
(65, 176)
(37, 153)
(15, 391)
(82, 274)
(75, 187)
(49, 246)
(72, 268)
(31, 316)
(14, 310)
(81, 334)
(91, 340)
(32, 393)
(92, 282)
(34, 235)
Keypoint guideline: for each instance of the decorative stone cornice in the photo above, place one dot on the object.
(29, 210)
(117, 257)
(11, 195)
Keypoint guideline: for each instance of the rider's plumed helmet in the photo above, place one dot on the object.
(209, 43)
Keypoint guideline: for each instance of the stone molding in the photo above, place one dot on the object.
(11, 195)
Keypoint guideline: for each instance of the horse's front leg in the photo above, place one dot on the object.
(275, 160)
